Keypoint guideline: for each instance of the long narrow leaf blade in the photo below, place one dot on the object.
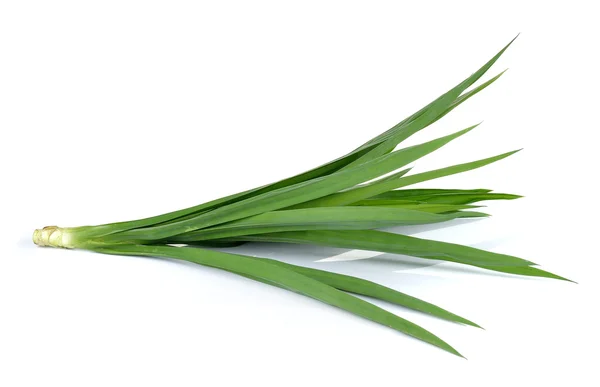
(370, 289)
(409, 193)
(452, 170)
(373, 240)
(452, 198)
(323, 218)
(466, 198)
(288, 279)
(374, 290)
(424, 207)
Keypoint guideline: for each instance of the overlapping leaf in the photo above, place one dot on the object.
(373, 240)
(321, 218)
(291, 195)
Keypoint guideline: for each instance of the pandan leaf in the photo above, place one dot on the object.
(373, 240)
(288, 279)
(322, 218)
(371, 289)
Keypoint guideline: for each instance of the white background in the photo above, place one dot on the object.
(114, 110)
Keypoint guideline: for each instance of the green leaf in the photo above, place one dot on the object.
(410, 193)
(373, 240)
(466, 198)
(367, 288)
(288, 279)
(323, 218)
(425, 207)
(451, 198)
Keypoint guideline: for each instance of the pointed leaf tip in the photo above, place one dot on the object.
(512, 41)
(512, 152)
(465, 131)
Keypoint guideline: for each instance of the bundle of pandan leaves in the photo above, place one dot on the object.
(340, 204)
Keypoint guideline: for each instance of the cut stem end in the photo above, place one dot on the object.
(53, 236)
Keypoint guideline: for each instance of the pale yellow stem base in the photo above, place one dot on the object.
(52, 236)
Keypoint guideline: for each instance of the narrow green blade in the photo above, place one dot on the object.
(371, 289)
(409, 193)
(450, 198)
(288, 279)
(425, 207)
(323, 218)
(373, 240)
(453, 170)
(466, 198)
